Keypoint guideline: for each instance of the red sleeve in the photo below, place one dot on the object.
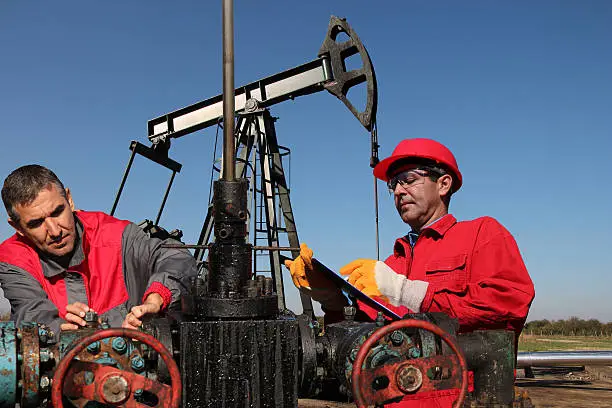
(497, 290)
(161, 290)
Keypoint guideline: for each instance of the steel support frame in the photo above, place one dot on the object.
(256, 136)
(327, 72)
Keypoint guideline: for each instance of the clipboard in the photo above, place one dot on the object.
(350, 290)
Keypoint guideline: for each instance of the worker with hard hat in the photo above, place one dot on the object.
(470, 270)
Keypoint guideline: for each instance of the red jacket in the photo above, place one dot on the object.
(114, 266)
(102, 265)
(476, 275)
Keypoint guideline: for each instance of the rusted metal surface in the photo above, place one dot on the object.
(115, 388)
(86, 380)
(409, 377)
(380, 384)
(30, 364)
(108, 385)
(490, 356)
(8, 364)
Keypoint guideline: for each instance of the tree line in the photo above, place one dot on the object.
(574, 326)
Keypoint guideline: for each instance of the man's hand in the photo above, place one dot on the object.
(312, 281)
(75, 313)
(376, 278)
(151, 305)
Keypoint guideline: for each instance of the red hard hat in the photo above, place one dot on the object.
(421, 149)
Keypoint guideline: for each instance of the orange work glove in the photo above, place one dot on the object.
(376, 278)
(310, 280)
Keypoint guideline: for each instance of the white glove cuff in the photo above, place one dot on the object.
(398, 289)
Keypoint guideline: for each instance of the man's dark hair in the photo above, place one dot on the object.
(23, 185)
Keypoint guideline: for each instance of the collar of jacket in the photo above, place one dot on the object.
(439, 228)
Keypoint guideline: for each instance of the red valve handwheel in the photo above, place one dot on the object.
(360, 377)
(117, 383)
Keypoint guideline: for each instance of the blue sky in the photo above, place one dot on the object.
(520, 91)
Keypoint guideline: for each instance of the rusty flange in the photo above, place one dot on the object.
(30, 364)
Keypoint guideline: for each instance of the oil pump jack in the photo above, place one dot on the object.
(239, 346)
(235, 344)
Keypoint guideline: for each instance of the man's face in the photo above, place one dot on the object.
(48, 222)
(418, 199)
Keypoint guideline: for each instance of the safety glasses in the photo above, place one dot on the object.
(407, 179)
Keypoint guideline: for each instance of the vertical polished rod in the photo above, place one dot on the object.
(229, 161)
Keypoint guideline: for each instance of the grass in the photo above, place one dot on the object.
(532, 342)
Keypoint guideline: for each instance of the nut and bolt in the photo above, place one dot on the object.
(45, 382)
(91, 319)
(397, 338)
(89, 377)
(115, 389)
(251, 105)
(119, 345)
(137, 363)
(45, 355)
(349, 312)
(268, 288)
(380, 320)
(43, 334)
(251, 289)
(409, 378)
(320, 348)
(94, 347)
(259, 280)
(320, 372)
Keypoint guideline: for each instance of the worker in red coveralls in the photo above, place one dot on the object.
(470, 270)
(62, 263)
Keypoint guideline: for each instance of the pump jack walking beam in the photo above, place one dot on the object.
(326, 72)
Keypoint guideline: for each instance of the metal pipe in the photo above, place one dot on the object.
(254, 247)
(563, 358)
(125, 175)
(163, 203)
(228, 168)
(376, 218)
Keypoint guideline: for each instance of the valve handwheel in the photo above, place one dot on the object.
(382, 384)
(111, 385)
